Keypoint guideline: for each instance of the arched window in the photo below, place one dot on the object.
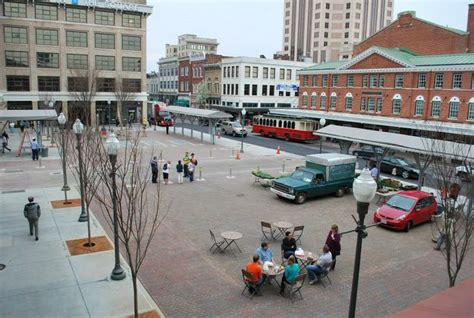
(274, 123)
(305, 99)
(332, 103)
(284, 124)
(396, 104)
(470, 109)
(313, 100)
(435, 106)
(293, 125)
(453, 108)
(322, 104)
(419, 105)
(279, 123)
(348, 102)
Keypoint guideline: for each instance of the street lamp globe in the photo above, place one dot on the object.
(61, 119)
(364, 187)
(112, 144)
(243, 111)
(109, 102)
(322, 122)
(78, 127)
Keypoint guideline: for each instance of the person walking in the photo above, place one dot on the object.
(333, 241)
(5, 138)
(186, 161)
(154, 169)
(32, 212)
(191, 168)
(179, 171)
(34, 149)
(166, 171)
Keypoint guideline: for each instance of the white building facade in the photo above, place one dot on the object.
(168, 79)
(259, 82)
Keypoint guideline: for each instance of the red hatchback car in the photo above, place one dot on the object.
(405, 209)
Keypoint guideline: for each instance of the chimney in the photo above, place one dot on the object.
(470, 28)
(405, 19)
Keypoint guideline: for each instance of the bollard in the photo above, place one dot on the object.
(200, 173)
(283, 168)
(161, 156)
(230, 176)
(210, 154)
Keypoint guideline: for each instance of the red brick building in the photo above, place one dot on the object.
(422, 37)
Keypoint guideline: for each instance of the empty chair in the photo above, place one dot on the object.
(295, 287)
(249, 285)
(267, 231)
(217, 243)
(298, 232)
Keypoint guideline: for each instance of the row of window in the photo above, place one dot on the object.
(75, 84)
(171, 71)
(18, 35)
(378, 81)
(375, 104)
(18, 9)
(74, 61)
(169, 84)
(252, 90)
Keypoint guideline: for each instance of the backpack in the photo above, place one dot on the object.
(165, 166)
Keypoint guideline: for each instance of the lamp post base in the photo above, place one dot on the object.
(65, 188)
(83, 217)
(118, 273)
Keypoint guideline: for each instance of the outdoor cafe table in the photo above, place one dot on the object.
(307, 258)
(273, 272)
(230, 237)
(282, 228)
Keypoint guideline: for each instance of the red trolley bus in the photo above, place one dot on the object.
(289, 128)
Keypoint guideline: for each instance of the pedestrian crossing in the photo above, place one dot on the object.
(168, 143)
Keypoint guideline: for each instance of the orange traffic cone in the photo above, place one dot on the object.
(278, 150)
(237, 156)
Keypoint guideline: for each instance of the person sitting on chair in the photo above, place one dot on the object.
(255, 270)
(291, 272)
(264, 253)
(322, 263)
(288, 245)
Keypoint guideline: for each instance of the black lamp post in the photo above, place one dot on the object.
(78, 129)
(364, 189)
(112, 149)
(62, 124)
(243, 112)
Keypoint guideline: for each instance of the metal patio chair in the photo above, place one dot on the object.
(267, 230)
(298, 232)
(246, 277)
(295, 287)
(217, 243)
(325, 274)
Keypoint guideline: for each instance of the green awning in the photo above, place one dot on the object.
(182, 102)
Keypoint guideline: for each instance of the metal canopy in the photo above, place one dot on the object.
(39, 114)
(196, 112)
(417, 145)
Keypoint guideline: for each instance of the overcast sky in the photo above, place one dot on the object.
(254, 27)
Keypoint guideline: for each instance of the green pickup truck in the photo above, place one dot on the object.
(329, 173)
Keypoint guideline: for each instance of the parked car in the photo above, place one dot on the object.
(367, 152)
(406, 209)
(403, 167)
(233, 128)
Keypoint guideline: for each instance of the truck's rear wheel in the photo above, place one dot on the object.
(340, 192)
(300, 198)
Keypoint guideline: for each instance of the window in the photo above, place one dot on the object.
(105, 63)
(335, 79)
(255, 72)
(131, 20)
(322, 104)
(76, 15)
(313, 101)
(264, 90)
(373, 80)
(347, 25)
(272, 90)
(48, 84)
(346, 35)
(104, 41)
(47, 60)
(348, 16)
(439, 77)
(470, 111)
(47, 37)
(305, 100)
(288, 74)
(399, 81)
(14, 9)
(246, 89)
(46, 12)
(326, 25)
(348, 5)
(314, 80)
(16, 35)
(350, 81)
(254, 89)
(247, 72)
(305, 80)
(371, 104)
(435, 108)
(472, 81)
(363, 105)
(453, 109)
(133, 85)
(16, 59)
(396, 106)
(419, 104)
(326, 35)
(104, 18)
(77, 84)
(18, 83)
(348, 103)
(332, 102)
(237, 71)
(325, 81)
(381, 80)
(76, 39)
(326, 15)
(422, 80)
(365, 81)
(224, 89)
(77, 61)
(272, 73)
(379, 105)
(457, 80)
(328, 6)
(105, 84)
(265, 72)
(282, 73)
(132, 43)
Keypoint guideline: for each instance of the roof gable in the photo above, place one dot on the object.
(376, 57)
(375, 60)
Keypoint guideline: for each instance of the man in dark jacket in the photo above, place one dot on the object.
(288, 245)
(154, 169)
(32, 212)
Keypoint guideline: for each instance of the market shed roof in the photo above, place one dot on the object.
(196, 112)
(39, 114)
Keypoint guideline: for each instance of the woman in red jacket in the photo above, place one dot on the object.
(333, 241)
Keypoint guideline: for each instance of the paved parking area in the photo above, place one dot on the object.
(186, 280)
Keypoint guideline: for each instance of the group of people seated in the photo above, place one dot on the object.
(320, 265)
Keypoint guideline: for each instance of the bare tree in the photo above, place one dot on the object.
(125, 93)
(82, 86)
(137, 203)
(202, 94)
(455, 226)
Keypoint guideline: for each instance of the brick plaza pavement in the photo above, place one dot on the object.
(398, 269)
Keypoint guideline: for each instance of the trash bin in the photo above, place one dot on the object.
(44, 152)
